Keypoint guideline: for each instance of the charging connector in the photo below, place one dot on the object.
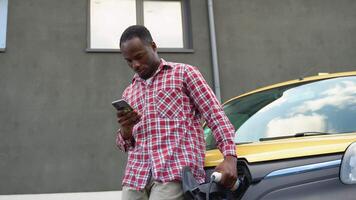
(216, 177)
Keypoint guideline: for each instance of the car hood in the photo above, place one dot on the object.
(286, 148)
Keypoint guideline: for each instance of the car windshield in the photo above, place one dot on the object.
(325, 106)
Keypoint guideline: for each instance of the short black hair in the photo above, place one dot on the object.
(136, 31)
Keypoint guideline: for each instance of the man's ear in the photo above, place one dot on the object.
(154, 46)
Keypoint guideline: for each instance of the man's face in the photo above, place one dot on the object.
(141, 57)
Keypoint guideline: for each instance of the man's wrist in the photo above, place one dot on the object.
(125, 135)
(130, 139)
(231, 157)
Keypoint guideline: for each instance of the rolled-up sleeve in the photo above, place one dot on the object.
(212, 111)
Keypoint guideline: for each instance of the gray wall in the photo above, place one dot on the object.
(267, 41)
(56, 122)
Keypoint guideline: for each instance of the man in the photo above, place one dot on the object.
(163, 133)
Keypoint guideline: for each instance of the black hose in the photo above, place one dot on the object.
(212, 178)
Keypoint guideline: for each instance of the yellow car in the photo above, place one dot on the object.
(294, 140)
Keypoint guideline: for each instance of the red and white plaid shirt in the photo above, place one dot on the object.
(169, 135)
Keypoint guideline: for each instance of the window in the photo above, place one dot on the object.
(167, 21)
(320, 107)
(3, 23)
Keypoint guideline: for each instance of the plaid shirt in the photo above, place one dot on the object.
(169, 134)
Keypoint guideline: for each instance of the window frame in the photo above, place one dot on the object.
(186, 22)
(4, 16)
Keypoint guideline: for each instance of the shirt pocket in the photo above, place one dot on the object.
(170, 103)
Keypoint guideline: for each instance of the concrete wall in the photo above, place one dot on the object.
(56, 122)
(267, 41)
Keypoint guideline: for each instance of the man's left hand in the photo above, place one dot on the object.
(228, 168)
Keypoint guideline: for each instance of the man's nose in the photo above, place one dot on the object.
(135, 65)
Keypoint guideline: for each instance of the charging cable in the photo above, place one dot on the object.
(212, 179)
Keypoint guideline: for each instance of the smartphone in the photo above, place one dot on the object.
(121, 104)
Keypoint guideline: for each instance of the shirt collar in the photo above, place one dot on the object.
(163, 64)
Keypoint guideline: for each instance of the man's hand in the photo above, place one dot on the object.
(127, 120)
(228, 168)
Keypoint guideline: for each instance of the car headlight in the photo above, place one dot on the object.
(348, 165)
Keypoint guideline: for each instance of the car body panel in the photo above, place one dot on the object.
(321, 184)
(312, 177)
(286, 148)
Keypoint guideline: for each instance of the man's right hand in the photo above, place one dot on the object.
(127, 120)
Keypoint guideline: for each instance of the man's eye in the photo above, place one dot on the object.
(139, 56)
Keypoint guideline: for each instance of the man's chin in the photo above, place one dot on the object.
(143, 76)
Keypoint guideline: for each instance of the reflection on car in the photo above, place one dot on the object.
(295, 140)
